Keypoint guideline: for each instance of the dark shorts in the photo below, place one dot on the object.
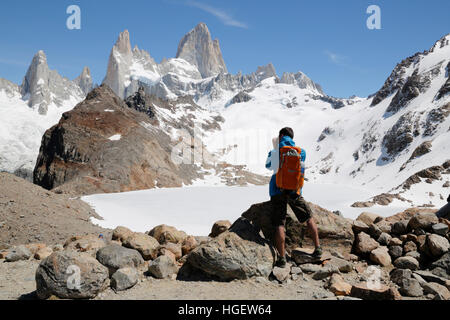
(298, 205)
(444, 212)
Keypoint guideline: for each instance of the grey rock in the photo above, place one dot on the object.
(440, 272)
(430, 277)
(409, 246)
(18, 253)
(116, 257)
(423, 221)
(443, 262)
(341, 264)
(416, 255)
(375, 231)
(396, 252)
(381, 256)
(365, 244)
(410, 287)
(162, 267)
(325, 272)
(239, 253)
(310, 268)
(401, 135)
(440, 229)
(59, 273)
(141, 102)
(281, 274)
(296, 270)
(437, 244)
(384, 239)
(400, 227)
(240, 97)
(359, 226)
(435, 289)
(398, 275)
(406, 263)
(124, 278)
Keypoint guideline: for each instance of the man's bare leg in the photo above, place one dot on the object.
(280, 237)
(314, 232)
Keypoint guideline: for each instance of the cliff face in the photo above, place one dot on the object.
(103, 145)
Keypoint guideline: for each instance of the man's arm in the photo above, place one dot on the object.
(269, 161)
(303, 161)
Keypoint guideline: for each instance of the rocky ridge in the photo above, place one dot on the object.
(404, 256)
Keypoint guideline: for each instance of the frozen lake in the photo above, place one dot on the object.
(195, 209)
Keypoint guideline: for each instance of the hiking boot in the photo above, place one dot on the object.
(281, 262)
(317, 252)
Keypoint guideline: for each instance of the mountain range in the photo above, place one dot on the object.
(392, 143)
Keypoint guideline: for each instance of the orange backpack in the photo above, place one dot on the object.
(289, 174)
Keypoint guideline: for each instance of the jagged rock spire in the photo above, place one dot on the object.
(84, 81)
(199, 49)
(119, 62)
(35, 83)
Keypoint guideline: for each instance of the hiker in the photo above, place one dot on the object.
(444, 212)
(286, 188)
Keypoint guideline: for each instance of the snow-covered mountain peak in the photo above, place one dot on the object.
(26, 111)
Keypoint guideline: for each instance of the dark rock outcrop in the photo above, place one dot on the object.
(103, 145)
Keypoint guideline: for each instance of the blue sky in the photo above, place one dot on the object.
(328, 40)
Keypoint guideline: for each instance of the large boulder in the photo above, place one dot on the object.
(115, 257)
(437, 289)
(121, 233)
(364, 244)
(18, 253)
(407, 263)
(334, 230)
(162, 267)
(145, 244)
(381, 256)
(437, 244)
(164, 234)
(239, 253)
(124, 278)
(70, 275)
(189, 244)
(423, 220)
(338, 286)
(368, 218)
(443, 262)
(89, 243)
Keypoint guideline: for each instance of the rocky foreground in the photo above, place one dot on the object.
(405, 256)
